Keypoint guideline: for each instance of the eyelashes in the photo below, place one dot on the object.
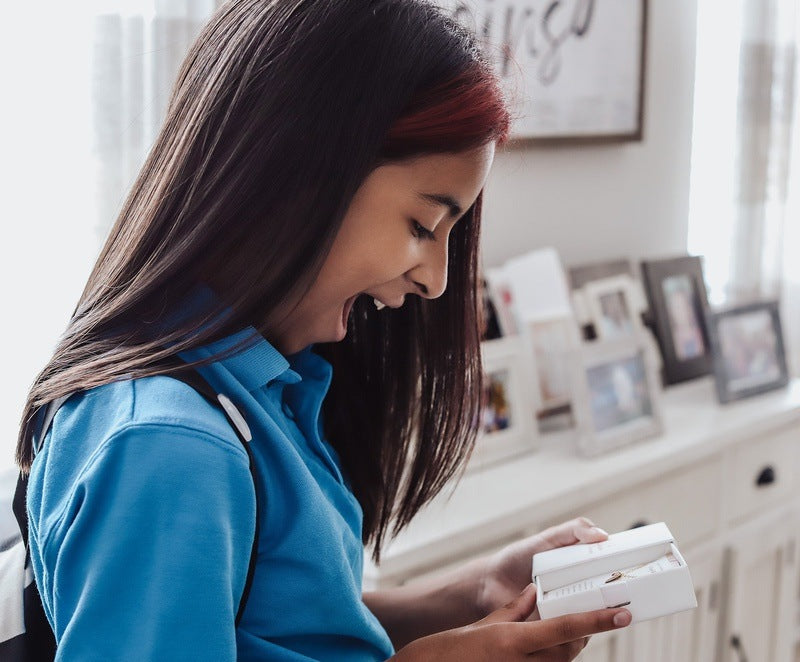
(421, 232)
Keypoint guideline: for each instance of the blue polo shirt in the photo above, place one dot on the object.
(142, 514)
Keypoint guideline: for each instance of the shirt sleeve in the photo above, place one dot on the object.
(148, 561)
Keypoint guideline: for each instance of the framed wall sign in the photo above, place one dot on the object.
(572, 69)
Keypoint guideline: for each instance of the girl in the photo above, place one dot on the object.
(320, 160)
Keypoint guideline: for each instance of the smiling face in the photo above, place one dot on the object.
(392, 243)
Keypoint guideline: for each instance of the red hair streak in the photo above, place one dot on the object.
(465, 112)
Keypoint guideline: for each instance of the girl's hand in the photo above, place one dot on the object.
(506, 635)
(509, 570)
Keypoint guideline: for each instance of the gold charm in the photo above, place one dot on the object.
(614, 577)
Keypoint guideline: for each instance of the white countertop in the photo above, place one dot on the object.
(554, 479)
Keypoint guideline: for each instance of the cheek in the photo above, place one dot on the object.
(386, 255)
(367, 255)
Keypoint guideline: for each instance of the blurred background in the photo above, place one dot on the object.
(85, 86)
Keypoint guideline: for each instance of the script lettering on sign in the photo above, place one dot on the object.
(531, 31)
(573, 68)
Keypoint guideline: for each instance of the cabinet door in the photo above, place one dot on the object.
(763, 601)
(693, 635)
(690, 636)
(602, 648)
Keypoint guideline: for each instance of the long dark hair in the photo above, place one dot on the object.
(279, 112)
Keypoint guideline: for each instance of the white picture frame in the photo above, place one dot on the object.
(617, 394)
(551, 340)
(505, 434)
(614, 307)
(599, 297)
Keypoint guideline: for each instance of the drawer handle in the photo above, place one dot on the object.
(639, 523)
(766, 477)
(736, 644)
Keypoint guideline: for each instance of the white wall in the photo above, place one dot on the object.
(602, 202)
(46, 194)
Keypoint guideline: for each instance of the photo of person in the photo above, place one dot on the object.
(749, 350)
(685, 327)
(618, 393)
(615, 316)
(496, 413)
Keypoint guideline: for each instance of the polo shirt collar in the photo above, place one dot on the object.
(255, 364)
(258, 363)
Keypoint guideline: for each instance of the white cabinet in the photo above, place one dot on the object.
(726, 479)
(763, 580)
(689, 636)
(601, 648)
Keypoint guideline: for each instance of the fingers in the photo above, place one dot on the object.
(578, 530)
(519, 609)
(564, 629)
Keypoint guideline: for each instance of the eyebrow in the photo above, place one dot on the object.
(442, 200)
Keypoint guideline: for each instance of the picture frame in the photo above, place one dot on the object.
(614, 308)
(748, 350)
(678, 302)
(617, 395)
(552, 341)
(507, 426)
(574, 70)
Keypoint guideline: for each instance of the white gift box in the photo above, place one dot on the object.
(641, 569)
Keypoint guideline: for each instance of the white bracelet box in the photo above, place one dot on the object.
(641, 569)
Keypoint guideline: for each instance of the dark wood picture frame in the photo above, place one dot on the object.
(725, 391)
(655, 273)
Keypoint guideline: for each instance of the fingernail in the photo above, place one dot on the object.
(622, 618)
(600, 531)
(530, 588)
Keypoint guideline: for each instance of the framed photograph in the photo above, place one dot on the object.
(617, 395)
(676, 293)
(552, 341)
(506, 425)
(748, 350)
(574, 69)
(614, 310)
(581, 276)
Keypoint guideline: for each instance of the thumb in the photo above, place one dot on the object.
(517, 610)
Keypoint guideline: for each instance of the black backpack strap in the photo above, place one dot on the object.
(37, 624)
(19, 504)
(194, 379)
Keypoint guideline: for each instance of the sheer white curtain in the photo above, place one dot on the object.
(85, 87)
(745, 159)
(138, 47)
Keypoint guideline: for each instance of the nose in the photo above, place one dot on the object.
(430, 275)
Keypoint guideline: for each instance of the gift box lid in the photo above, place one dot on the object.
(566, 565)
